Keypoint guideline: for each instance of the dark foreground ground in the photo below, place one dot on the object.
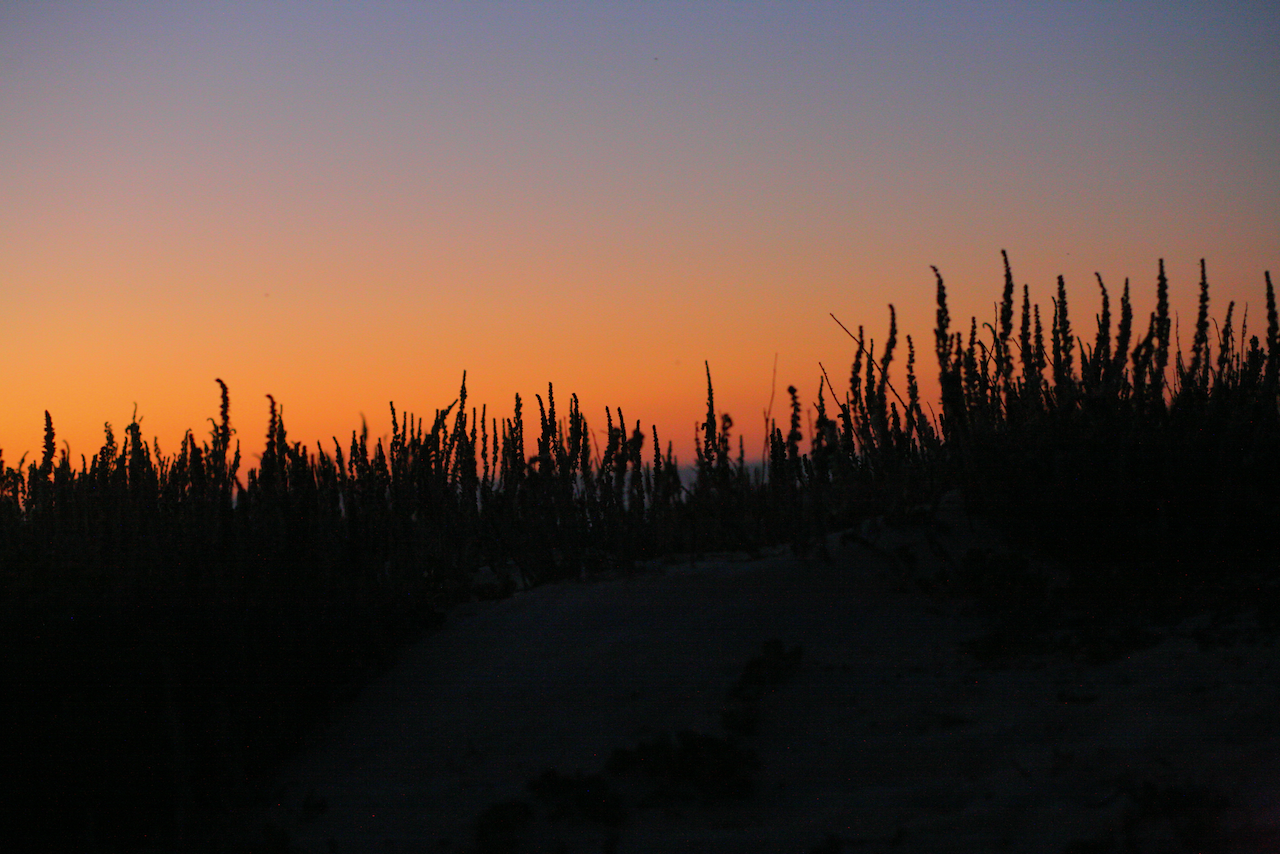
(823, 704)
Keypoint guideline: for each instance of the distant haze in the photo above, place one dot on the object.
(348, 204)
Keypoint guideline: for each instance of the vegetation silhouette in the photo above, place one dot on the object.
(172, 633)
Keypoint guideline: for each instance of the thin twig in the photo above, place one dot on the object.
(872, 359)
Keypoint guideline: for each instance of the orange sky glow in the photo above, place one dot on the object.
(347, 205)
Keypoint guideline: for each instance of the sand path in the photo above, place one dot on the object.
(888, 736)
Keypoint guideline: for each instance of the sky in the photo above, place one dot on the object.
(346, 205)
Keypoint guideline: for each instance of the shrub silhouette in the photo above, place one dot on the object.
(235, 610)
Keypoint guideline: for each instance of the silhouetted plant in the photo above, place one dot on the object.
(320, 562)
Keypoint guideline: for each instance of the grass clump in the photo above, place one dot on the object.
(1157, 475)
(235, 607)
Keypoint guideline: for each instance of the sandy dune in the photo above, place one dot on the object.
(885, 734)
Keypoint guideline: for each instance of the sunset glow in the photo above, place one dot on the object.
(348, 205)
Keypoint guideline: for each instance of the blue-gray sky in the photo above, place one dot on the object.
(345, 204)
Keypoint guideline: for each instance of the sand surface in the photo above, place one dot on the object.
(883, 733)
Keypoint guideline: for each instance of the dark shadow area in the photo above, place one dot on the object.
(173, 632)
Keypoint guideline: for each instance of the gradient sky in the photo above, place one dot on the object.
(348, 204)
